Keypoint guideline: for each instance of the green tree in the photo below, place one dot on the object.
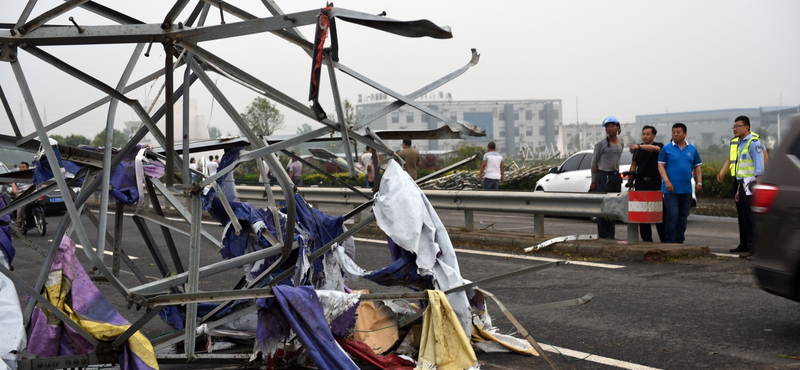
(214, 132)
(304, 129)
(118, 139)
(263, 117)
(58, 138)
(350, 116)
(76, 140)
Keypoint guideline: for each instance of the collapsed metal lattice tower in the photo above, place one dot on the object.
(182, 44)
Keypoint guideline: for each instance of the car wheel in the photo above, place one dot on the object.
(41, 225)
(539, 188)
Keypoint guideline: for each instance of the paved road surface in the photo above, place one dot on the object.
(693, 314)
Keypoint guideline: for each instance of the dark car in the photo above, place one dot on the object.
(54, 201)
(776, 208)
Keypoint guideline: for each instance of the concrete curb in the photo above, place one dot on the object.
(603, 249)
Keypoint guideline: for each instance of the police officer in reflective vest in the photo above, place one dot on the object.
(746, 164)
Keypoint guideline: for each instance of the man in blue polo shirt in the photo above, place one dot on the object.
(675, 164)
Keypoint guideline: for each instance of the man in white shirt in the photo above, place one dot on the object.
(211, 166)
(366, 160)
(193, 166)
(493, 165)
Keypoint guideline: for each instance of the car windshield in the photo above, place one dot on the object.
(3, 169)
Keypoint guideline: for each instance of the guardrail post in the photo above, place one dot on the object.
(633, 233)
(469, 220)
(538, 225)
(357, 217)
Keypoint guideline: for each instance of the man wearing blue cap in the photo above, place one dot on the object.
(605, 171)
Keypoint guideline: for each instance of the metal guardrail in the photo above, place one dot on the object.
(613, 206)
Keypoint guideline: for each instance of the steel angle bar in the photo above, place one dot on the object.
(180, 227)
(388, 151)
(231, 9)
(473, 131)
(48, 15)
(451, 167)
(227, 207)
(200, 7)
(208, 270)
(26, 241)
(340, 113)
(9, 114)
(149, 315)
(272, 93)
(152, 246)
(110, 13)
(77, 361)
(193, 278)
(321, 171)
(418, 28)
(141, 82)
(124, 256)
(506, 276)
(173, 13)
(553, 305)
(249, 27)
(23, 16)
(520, 328)
(559, 240)
(285, 144)
(179, 207)
(106, 175)
(27, 198)
(185, 170)
(422, 91)
(71, 208)
(173, 251)
(49, 306)
(444, 132)
(168, 340)
(107, 34)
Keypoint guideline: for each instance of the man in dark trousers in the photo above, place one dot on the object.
(747, 166)
(644, 174)
(605, 171)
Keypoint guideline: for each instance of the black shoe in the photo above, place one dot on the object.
(740, 250)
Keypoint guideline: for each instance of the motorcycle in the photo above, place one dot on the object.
(34, 217)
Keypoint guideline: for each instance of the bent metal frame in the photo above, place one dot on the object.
(182, 44)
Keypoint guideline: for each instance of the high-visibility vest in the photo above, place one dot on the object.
(742, 164)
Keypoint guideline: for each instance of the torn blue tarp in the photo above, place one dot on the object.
(5, 233)
(301, 308)
(125, 181)
(401, 272)
(322, 228)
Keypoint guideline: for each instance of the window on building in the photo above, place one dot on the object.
(569, 133)
(529, 131)
(598, 132)
(409, 117)
(501, 116)
(516, 115)
(555, 113)
(529, 115)
(395, 117)
(502, 131)
(454, 115)
(516, 131)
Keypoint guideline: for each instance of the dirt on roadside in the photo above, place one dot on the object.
(715, 207)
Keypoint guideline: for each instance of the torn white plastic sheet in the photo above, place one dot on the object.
(12, 330)
(405, 215)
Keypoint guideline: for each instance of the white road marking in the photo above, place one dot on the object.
(172, 218)
(595, 358)
(727, 255)
(508, 255)
(107, 253)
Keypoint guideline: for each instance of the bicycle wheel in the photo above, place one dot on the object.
(41, 225)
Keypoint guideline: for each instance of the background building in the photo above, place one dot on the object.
(705, 128)
(511, 124)
(573, 137)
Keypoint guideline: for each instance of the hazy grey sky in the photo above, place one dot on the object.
(619, 58)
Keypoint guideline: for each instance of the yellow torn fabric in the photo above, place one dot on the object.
(510, 343)
(444, 345)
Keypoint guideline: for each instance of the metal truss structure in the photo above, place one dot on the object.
(182, 42)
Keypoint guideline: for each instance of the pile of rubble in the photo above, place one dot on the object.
(468, 180)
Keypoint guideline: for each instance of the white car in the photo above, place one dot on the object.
(575, 175)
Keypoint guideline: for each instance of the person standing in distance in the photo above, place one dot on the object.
(747, 167)
(211, 166)
(17, 189)
(605, 171)
(411, 157)
(676, 161)
(645, 176)
(193, 166)
(366, 160)
(296, 170)
(493, 165)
